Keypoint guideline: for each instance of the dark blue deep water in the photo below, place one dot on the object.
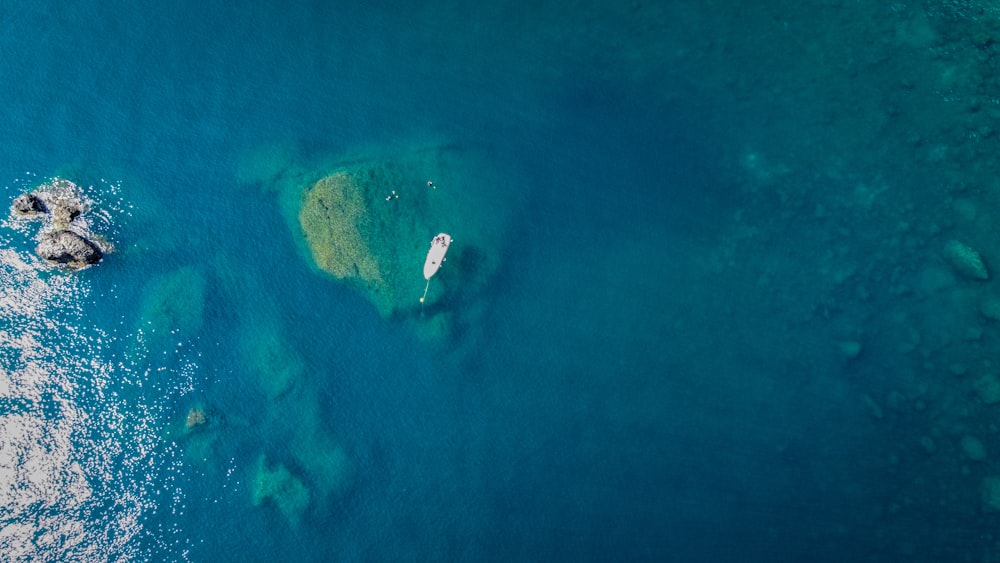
(724, 325)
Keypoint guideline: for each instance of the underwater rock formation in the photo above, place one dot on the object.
(333, 215)
(973, 448)
(367, 219)
(279, 487)
(195, 417)
(369, 223)
(965, 260)
(989, 307)
(987, 388)
(67, 248)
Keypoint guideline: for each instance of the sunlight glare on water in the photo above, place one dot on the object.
(79, 461)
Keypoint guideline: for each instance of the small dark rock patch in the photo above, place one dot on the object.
(66, 247)
(29, 204)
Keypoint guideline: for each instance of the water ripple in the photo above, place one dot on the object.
(81, 460)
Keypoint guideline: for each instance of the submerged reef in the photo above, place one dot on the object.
(279, 487)
(198, 430)
(326, 462)
(195, 418)
(344, 229)
(965, 260)
(369, 221)
(290, 392)
(333, 216)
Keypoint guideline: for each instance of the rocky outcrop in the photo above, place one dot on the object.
(68, 248)
(27, 205)
(65, 238)
(60, 208)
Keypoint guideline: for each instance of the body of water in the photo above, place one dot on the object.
(720, 324)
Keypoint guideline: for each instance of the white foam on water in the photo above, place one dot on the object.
(82, 461)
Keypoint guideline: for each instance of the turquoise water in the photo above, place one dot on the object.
(697, 212)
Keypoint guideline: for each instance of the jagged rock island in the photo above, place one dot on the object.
(68, 248)
(64, 238)
(28, 205)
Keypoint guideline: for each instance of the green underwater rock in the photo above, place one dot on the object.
(265, 353)
(197, 431)
(370, 221)
(366, 218)
(277, 486)
(357, 235)
(196, 418)
(333, 216)
(965, 260)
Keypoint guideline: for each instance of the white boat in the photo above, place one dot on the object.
(435, 256)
